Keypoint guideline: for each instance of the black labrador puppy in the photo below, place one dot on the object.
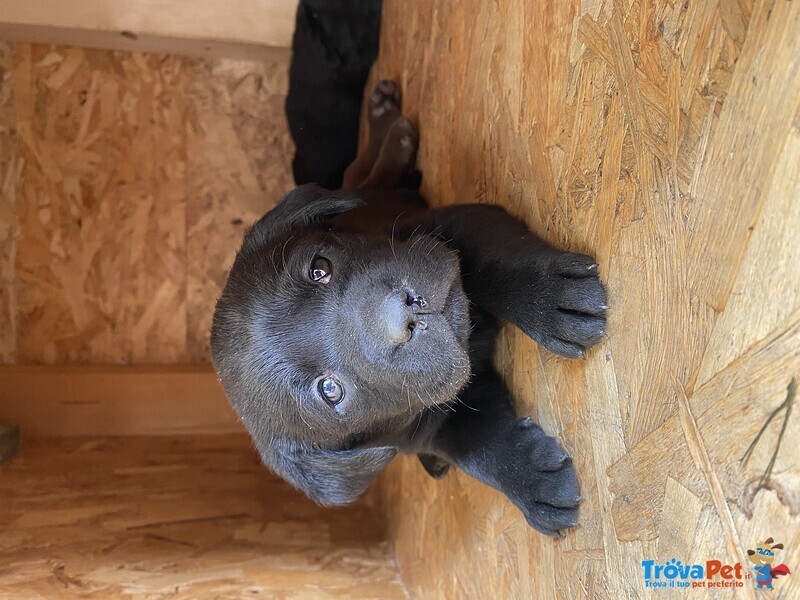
(333, 48)
(357, 324)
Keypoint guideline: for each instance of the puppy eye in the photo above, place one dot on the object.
(331, 390)
(320, 270)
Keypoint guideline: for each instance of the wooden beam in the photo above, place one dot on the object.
(50, 401)
(9, 441)
(235, 28)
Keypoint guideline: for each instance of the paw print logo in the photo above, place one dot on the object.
(672, 568)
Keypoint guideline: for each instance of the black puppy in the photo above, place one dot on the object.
(333, 48)
(357, 323)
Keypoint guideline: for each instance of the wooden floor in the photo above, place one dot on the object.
(191, 517)
(664, 138)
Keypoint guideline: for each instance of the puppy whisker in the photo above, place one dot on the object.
(442, 408)
(425, 404)
(419, 420)
(391, 236)
(414, 243)
(462, 403)
(283, 257)
(408, 396)
(300, 412)
(417, 239)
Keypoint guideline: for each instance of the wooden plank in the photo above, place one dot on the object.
(9, 169)
(153, 44)
(124, 197)
(194, 517)
(96, 400)
(9, 441)
(240, 28)
(662, 138)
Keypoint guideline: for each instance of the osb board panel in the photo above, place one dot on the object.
(62, 401)
(239, 166)
(102, 205)
(196, 517)
(126, 213)
(8, 221)
(662, 138)
(251, 22)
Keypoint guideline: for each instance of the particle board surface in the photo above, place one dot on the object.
(8, 221)
(230, 26)
(194, 517)
(128, 181)
(663, 138)
(62, 401)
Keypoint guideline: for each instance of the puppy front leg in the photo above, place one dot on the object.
(555, 297)
(514, 456)
(392, 147)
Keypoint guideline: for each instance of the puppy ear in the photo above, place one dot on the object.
(751, 552)
(328, 477)
(304, 205)
(778, 546)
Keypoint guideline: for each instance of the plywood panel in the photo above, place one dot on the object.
(195, 517)
(239, 153)
(101, 253)
(9, 164)
(662, 138)
(247, 22)
(47, 401)
(126, 42)
(129, 180)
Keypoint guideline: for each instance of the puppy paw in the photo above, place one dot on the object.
(567, 314)
(401, 143)
(384, 112)
(547, 492)
(384, 104)
(396, 159)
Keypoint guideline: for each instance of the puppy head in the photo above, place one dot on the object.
(329, 338)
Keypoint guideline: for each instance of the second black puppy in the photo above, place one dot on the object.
(357, 324)
(333, 48)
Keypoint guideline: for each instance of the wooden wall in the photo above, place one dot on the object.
(126, 183)
(664, 138)
(211, 28)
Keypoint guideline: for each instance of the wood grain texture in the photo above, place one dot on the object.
(249, 22)
(59, 401)
(194, 518)
(128, 182)
(127, 41)
(239, 157)
(8, 221)
(662, 138)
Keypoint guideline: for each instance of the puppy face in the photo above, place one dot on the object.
(332, 338)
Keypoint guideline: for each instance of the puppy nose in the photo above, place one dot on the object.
(400, 315)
